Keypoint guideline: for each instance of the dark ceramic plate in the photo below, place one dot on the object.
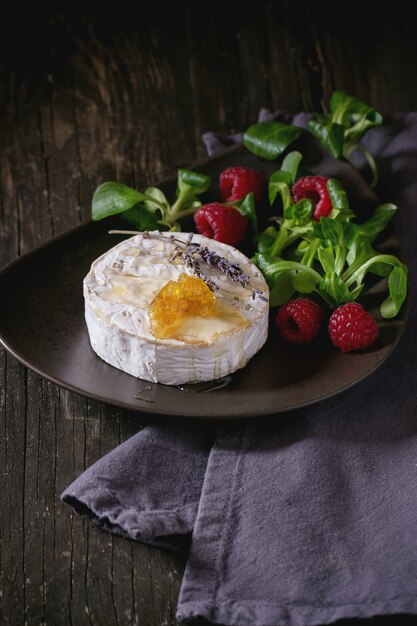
(42, 325)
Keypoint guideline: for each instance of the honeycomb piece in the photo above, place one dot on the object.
(186, 297)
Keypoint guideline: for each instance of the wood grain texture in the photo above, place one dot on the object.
(127, 96)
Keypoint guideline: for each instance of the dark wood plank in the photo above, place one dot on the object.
(294, 71)
(14, 546)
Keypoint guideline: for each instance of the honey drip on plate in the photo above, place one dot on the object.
(205, 387)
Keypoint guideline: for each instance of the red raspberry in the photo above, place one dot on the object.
(236, 182)
(352, 328)
(222, 223)
(299, 320)
(314, 188)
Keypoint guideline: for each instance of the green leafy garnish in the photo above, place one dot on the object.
(340, 202)
(343, 127)
(290, 164)
(339, 131)
(279, 183)
(112, 198)
(330, 257)
(330, 134)
(247, 208)
(269, 139)
(150, 209)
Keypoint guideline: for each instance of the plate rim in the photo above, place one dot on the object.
(227, 416)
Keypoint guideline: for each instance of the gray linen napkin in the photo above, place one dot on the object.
(298, 519)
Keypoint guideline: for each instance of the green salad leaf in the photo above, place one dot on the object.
(330, 135)
(355, 116)
(340, 130)
(141, 218)
(247, 208)
(150, 209)
(329, 257)
(269, 139)
(279, 183)
(290, 164)
(112, 198)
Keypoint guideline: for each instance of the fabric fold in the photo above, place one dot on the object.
(149, 487)
(312, 524)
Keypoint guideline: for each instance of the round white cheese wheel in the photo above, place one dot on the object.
(123, 282)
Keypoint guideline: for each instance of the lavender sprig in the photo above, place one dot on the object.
(194, 254)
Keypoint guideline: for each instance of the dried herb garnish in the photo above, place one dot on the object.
(194, 255)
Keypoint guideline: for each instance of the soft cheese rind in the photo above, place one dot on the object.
(122, 283)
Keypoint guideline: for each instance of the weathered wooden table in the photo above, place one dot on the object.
(88, 97)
